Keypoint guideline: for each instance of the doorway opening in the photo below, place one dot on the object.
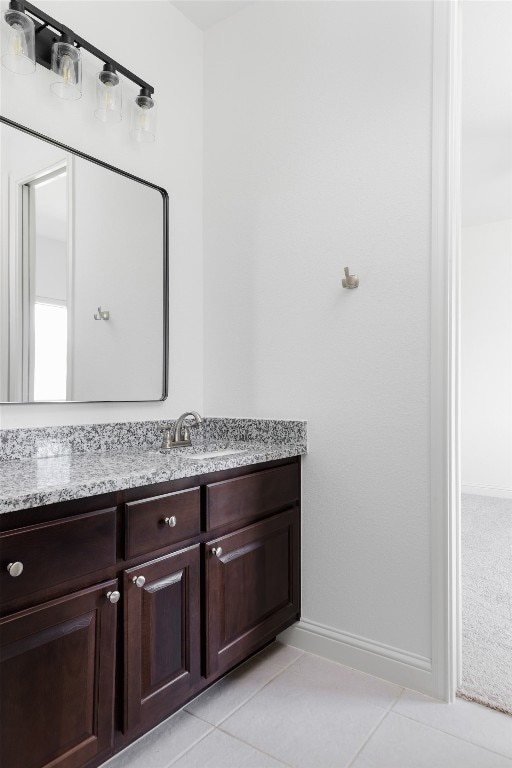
(46, 285)
(485, 673)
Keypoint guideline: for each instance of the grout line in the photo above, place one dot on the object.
(279, 671)
(213, 727)
(196, 717)
(187, 749)
(372, 732)
(228, 733)
(255, 693)
(257, 749)
(458, 738)
(398, 698)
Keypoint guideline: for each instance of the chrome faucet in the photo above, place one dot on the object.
(181, 437)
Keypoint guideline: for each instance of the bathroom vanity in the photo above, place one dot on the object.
(132, 601)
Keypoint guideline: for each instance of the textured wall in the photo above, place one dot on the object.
(168, 55)
(317, 156)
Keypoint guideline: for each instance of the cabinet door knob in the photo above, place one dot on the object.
(139, 581)
(113, 596)
(15, 569)
(170, 521)
(217, 551)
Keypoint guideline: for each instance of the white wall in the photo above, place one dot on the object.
(170, 57)
(51, 268)
(486, 249)
(486, 358)
(114, 231)
(486, 149)
(318, 156)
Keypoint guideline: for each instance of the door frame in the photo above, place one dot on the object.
(445, 350)
(20, 270)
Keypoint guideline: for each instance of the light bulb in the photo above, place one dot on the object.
(143, 118)
(67, 70)
(67, 66)
(108, 101)
(18, 45)
(109, 96)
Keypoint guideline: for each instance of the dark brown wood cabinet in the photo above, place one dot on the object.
(57, 551)
(161, 521)
(162, 647)
(252, 588)
(57, 665)
(208, 570)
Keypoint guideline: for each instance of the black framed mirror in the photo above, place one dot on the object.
(83, 276)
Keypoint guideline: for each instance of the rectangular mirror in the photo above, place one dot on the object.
(83, 271)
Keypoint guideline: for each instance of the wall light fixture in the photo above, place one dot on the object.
(109, 95)
(18, 41)
(67, 65)
(143, 117)
(29, 35)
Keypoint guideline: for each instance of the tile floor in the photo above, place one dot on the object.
(288, 708)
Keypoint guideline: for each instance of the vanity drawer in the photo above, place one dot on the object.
(56, 552)
(252, 496)
(146, 526)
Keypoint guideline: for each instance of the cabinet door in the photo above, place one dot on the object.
(252, 588)
(162, 636)
(57, 681)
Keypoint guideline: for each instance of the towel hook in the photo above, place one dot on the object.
(103, 314)
(350, 281)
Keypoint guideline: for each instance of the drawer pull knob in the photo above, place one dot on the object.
(113, 596)
(170, 521)
(139, 581)
(15, 569)
(217, 551)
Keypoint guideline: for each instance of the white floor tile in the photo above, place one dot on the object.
(306, 722)
(465, 719)
(278, 653)
(403, 743)
(286, 707)
(355, 685)
(226, 696)
(218, 750)
(163, 744)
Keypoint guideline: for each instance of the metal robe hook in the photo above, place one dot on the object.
(350, 281)
(103, 314)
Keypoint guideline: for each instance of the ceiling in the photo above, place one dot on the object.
(206, 13)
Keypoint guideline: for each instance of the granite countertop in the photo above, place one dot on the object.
(31, 482)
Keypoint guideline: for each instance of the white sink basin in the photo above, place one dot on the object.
(213, 454)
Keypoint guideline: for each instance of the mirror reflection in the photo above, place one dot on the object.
(83, 269)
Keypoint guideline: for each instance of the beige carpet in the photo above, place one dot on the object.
(487, 601)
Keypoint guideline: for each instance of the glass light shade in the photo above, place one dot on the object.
(67, 65)
(18, 42)
(143, 119)
(109, 97)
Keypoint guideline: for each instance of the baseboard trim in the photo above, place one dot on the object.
(393, 664)
(487, 490)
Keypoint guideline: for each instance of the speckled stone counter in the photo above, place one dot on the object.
(48, 465)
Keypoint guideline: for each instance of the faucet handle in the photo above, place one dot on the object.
(167, 436)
